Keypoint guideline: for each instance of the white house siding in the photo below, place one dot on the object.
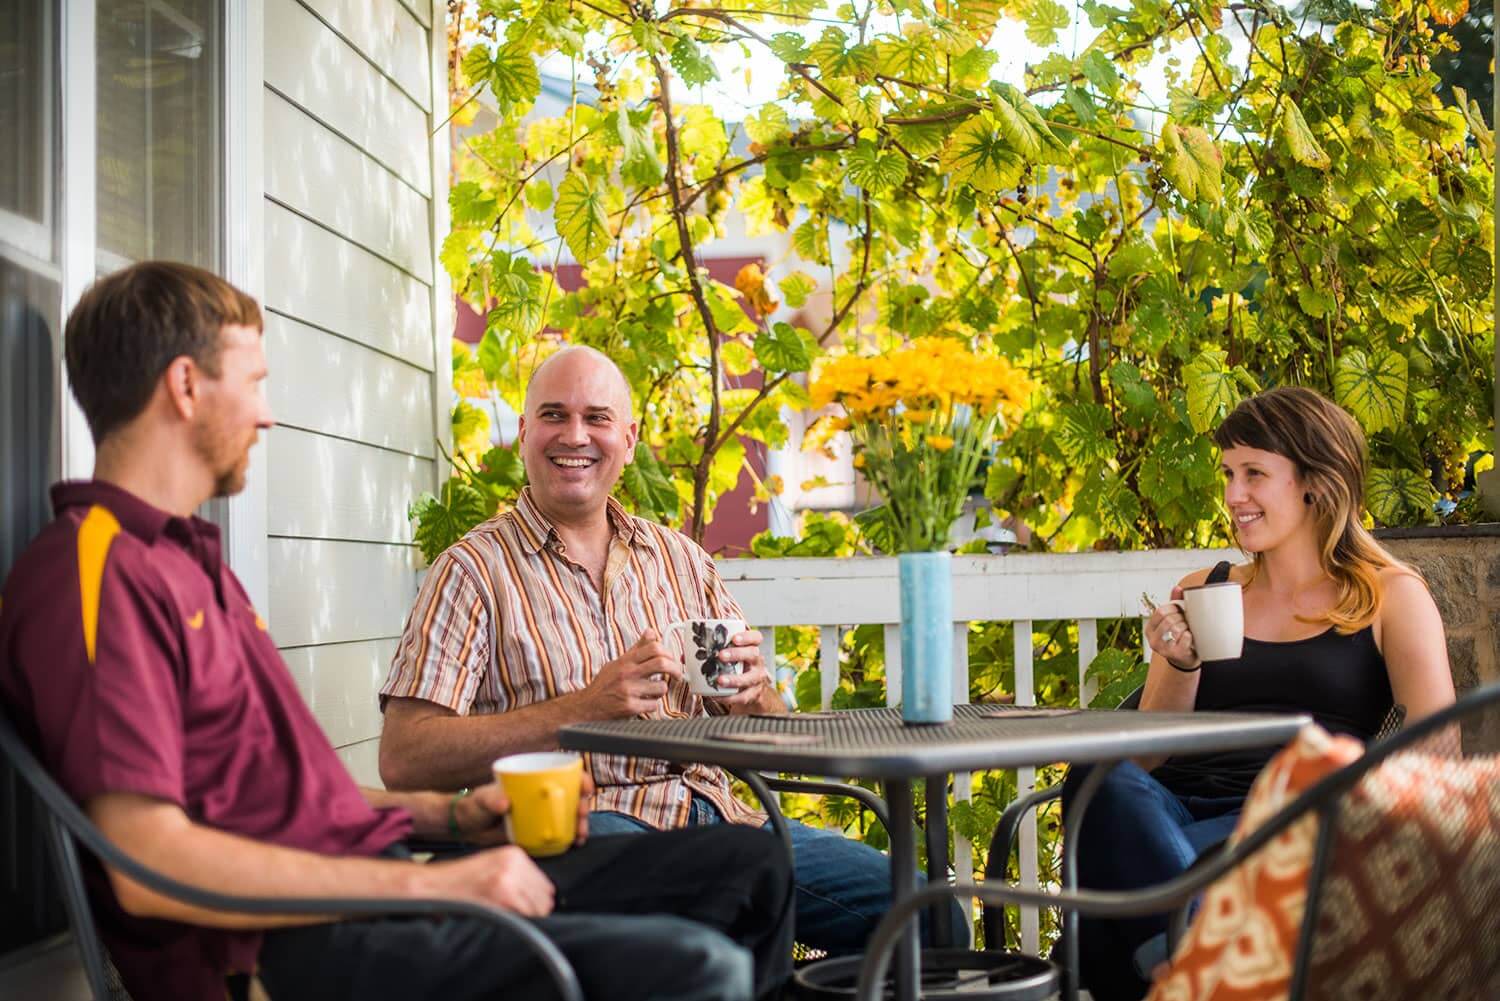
(355, 193)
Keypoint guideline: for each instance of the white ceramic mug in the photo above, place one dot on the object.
(698, 642)
(1216, 616)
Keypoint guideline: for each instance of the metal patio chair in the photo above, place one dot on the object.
(68, 827)
(1325, 798)
(1003, 840)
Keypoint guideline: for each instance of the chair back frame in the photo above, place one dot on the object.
(69, 825)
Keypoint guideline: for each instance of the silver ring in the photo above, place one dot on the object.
(1168, 636)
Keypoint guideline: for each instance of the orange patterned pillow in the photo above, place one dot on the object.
(1408, 903)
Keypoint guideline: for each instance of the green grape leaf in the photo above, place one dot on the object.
(978, 155)
(539, 195)
(905, 59)
(921, 140)
(781, 349)
(1211, 389)
(517, 288)
(810, 240)
(1299, 138)
(979, 16)
(502, 467)
(1117, 674)
(580, 218)
(1098, 69)
(1083, 106)
(1399, 496)
(796, 287)
(1111, 502)
(1372, 387)
(1044, 19)
(1083, 434)
(640, 166)
(1192, 162)
(471, 205)
(873, 170)
(1469, 262)
(442, 521)
(836, 58)
(768, 125)
(692, 63)
(789, 47)
(1316, 302)
(1130, 388)
(647, 484)
(513, 77)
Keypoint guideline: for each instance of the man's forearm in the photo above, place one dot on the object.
(427, 747)
(160, 836)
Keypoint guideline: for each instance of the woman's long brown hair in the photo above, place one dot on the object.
(1328, 449)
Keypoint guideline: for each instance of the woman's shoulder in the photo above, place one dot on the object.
(1399, 584)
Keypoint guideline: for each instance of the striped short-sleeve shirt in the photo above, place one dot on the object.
(505, 619)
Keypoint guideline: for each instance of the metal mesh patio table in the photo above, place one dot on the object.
(875, 744)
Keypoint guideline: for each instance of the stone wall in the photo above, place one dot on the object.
(1463, 571)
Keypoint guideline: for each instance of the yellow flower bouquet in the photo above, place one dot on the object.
(922, 418)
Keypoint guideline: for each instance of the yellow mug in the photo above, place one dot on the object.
(543, 789)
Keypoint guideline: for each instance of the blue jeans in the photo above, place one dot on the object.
(1135, 833)
(843, 886)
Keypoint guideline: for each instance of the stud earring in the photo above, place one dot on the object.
(1307, 498)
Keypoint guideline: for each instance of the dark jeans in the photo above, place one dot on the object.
(1135, 833)
(695, 915)
(843, 886)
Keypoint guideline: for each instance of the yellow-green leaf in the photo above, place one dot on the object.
(1399, 496)
(874, 170)
(1044, 19)
(1192, 162)
(978, 155)
(904, 59)
(580, 217)
(1372, 387)
(1299, 138)
(513, 76)
(768, 124)
(979, 16)
(1211, 389)
(796, 287)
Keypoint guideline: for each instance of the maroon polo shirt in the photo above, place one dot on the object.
(133, 661)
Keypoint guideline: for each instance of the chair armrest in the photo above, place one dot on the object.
(868, 799)
(1010, 823)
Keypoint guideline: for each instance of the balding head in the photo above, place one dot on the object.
(576, 362)
(577, 434)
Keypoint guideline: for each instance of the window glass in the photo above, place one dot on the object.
(160, 136)
(27, 92)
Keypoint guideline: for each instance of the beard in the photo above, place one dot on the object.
(226, 455)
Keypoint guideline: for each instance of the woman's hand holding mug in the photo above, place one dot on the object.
(1168, 633)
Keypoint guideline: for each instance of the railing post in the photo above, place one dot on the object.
(892, 664)
(1025, 783)
(829, 638)
(963, 782)
(1088, 648)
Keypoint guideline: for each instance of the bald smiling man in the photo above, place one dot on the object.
(553, 613)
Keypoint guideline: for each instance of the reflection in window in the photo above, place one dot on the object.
(160, 135)
(26, 104)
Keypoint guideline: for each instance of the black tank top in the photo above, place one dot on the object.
(1341, 681)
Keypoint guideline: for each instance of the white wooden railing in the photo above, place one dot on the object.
(838, 594)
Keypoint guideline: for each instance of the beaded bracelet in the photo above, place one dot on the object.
(453, 831)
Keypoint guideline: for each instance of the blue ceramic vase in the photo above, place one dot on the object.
(926, 637)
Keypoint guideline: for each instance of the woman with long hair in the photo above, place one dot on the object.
(1335, 627)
